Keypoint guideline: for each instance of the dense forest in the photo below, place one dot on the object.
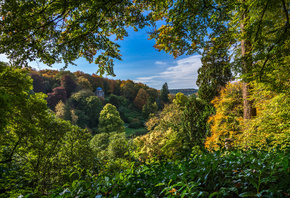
(79, 98)
(65, 134)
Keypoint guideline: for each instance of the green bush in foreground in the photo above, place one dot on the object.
(203, 174)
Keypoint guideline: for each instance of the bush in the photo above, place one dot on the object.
(202, 174)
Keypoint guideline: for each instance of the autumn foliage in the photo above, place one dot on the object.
(228, 120)
(141, 99)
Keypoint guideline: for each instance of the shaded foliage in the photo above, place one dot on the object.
(69, 84)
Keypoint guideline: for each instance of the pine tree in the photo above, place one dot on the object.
(164, 94)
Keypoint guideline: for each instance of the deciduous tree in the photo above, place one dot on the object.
(141, 99)
(180, 99)
(256, 31)
(69, 84)
(63, 31)
(110, 120)
(57, 94)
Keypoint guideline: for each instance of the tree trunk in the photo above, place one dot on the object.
(246, 62)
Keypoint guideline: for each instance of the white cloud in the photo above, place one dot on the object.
(182, 75)
(160, 63)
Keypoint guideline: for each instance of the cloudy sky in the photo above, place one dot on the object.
(143, 63)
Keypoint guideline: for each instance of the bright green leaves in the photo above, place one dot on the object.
(110, 120)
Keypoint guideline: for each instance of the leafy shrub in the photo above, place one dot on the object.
(252, 173)
(271, 126)
(165, 137)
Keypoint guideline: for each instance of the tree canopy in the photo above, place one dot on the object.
(63, 31)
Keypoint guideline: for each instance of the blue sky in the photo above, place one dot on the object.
(143, 63)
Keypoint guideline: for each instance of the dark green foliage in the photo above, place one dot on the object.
(164, 94)
(117, 90)
(82, 118)
(106, 86)
(92, 110)
(128, 114)
(194, 121)
(135, 124)
(47, 86)
(215, 71)
(113, 99)
(203, 174)
(78, 100)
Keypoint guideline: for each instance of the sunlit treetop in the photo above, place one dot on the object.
(188, 25)
(54, 31)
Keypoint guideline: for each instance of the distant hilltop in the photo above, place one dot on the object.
(186, 92)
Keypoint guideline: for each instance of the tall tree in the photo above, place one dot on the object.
(164, 94)
(194, 122)
(215, 71)
(34, 144)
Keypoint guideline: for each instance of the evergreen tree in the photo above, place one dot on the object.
(164, 94)
(215, 71)
(110, 120)
(92, 109)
